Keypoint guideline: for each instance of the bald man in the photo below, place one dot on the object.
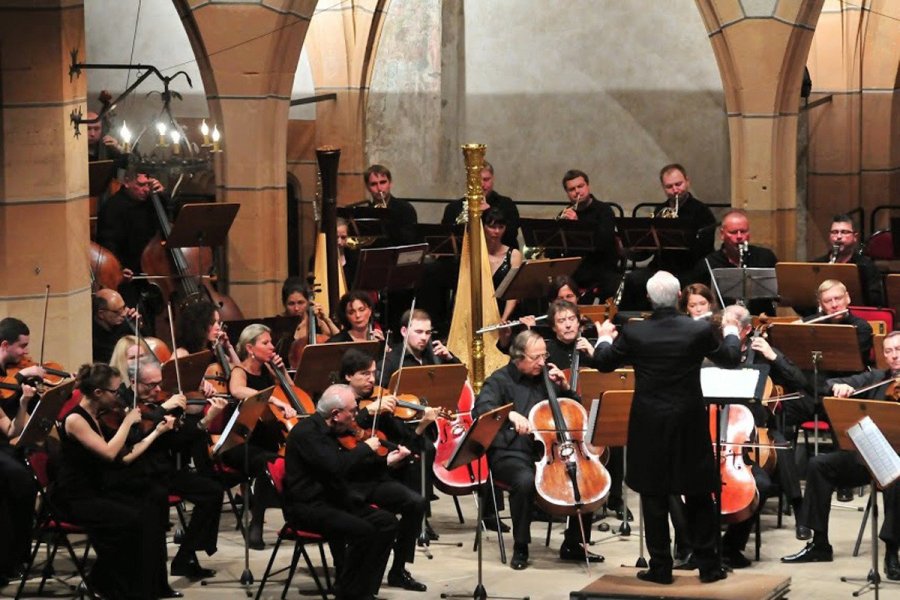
(111, 322)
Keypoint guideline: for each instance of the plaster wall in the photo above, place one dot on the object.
(614, 88)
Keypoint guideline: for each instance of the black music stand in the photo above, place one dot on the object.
(236, 432)
(319, 364)
(799, 282)
(563, 237)
(386, 270)
(100, 173)
(534, 278)
(848, 416)
(192, 369)
(204, 224)
(44, 416)
(472, 447)
(656, 234)
(608, 424)
(444, 241)
(743, 385)
(366, 221)
(747, 283)
(818, 347)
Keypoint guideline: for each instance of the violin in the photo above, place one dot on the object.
(53, 375)
(465, 478)
(357, 435)
(569, 479)
(733, 432)
(408, 406)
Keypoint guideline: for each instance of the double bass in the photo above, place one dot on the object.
(569, 479)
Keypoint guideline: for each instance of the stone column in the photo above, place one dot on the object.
(761, 48)
(248, 55)
(44, 198)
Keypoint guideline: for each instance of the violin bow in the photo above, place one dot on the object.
(381, 383)
(174, 347)
(137, 362)
(44, 329)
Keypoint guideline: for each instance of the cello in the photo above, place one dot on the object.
(465, 478)
(569, 479)
(733, 432)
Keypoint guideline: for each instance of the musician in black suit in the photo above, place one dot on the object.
(401, 226)
(491, 200)
(669, 449)
(844, 469)
(844, 241)
(511, 454)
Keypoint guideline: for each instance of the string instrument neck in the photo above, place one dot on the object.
(288, 388)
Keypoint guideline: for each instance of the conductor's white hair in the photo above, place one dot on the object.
(662, 289)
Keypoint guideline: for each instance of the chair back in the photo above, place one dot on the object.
(39, 462)
(276, 472)
(880, 246)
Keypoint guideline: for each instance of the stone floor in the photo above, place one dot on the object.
(453, 569)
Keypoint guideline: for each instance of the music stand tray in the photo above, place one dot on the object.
(747, 283)
(192, 368)
(742, 385)
(100, 172)
(243, 420)
(443, 241)
(831, 347)
(478, 438)
(390, 269)
(560, 235)
(656, 234)
(440, 385)
(44, 415)
(534, 278)
(319, 364)
(845, 412)
(593, 383)
(204, 224)
(799, 280)
(608, 423)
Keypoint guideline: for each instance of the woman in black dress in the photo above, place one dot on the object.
(124, 536)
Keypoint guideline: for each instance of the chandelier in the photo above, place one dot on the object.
(162, 147)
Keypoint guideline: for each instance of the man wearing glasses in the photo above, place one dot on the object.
(845, 249)
(511, 458)
(109, 323)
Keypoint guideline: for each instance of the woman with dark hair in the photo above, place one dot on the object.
(697, 301)
(199, 327)
(357, 322)
(124, 527)
(502, 258)
(564, 288)
(295, 297)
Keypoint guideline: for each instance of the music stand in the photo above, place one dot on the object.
(392, 269)
(100, 172)
(202, 224)
(799, 278)
(534, 278)
(472, 447)
(592, 383)
(44, 415)
(444, 241)
(608, 426)
(366, 221)
(440, 385)
(892, 287)
(846, 413)
(656, 234)
(818, 347)
(192, 368)
(236, 432)
(747, 283)
(319, 364)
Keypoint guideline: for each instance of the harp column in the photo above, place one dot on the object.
(474, 157)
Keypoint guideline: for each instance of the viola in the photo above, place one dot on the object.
(106, 270)
(408, 406)
(465, 478)
(733, 432)
(569, 479)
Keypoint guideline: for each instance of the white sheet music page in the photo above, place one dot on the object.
(728, 383)
(880, 457)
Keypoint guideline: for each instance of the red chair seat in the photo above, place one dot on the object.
(62, 526)
(811, 426)
(289, 533)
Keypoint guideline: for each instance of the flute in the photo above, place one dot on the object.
(826, 317)
(505, 325)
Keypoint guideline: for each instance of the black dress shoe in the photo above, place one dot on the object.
(577, 553)
(803, 532)
(713, 575)
(170, 593)
(734, 559)
(490, 522)
(256, 537)
(892, 566)
(190, 568)
(403, 579)
(656, 576)
(519, 559)
(813, 552)
(845, 494)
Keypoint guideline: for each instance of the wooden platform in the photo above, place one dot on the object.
(623, 583)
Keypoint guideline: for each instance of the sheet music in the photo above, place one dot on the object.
(593, 416)
(729, 383)
(880, 457)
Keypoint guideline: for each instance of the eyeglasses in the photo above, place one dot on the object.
(544, 356)
(151, 384)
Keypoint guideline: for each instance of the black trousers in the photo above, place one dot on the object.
(615, 466)
(17, 497)
(205, 493)
(518, 473)
(395, 497)
(701, 523)
(360, 540)
(842, 469)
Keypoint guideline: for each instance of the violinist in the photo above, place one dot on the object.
(843, 241)
(386, 487)
(357, 320)
(319, 494)
(256, 351)
(669, 448)
(124, 525)
(159, 464)
(112, 319)
(697, 301)
(17, 489)
(511, 453)
(843, 468)
(14, 340)
(783, 372)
